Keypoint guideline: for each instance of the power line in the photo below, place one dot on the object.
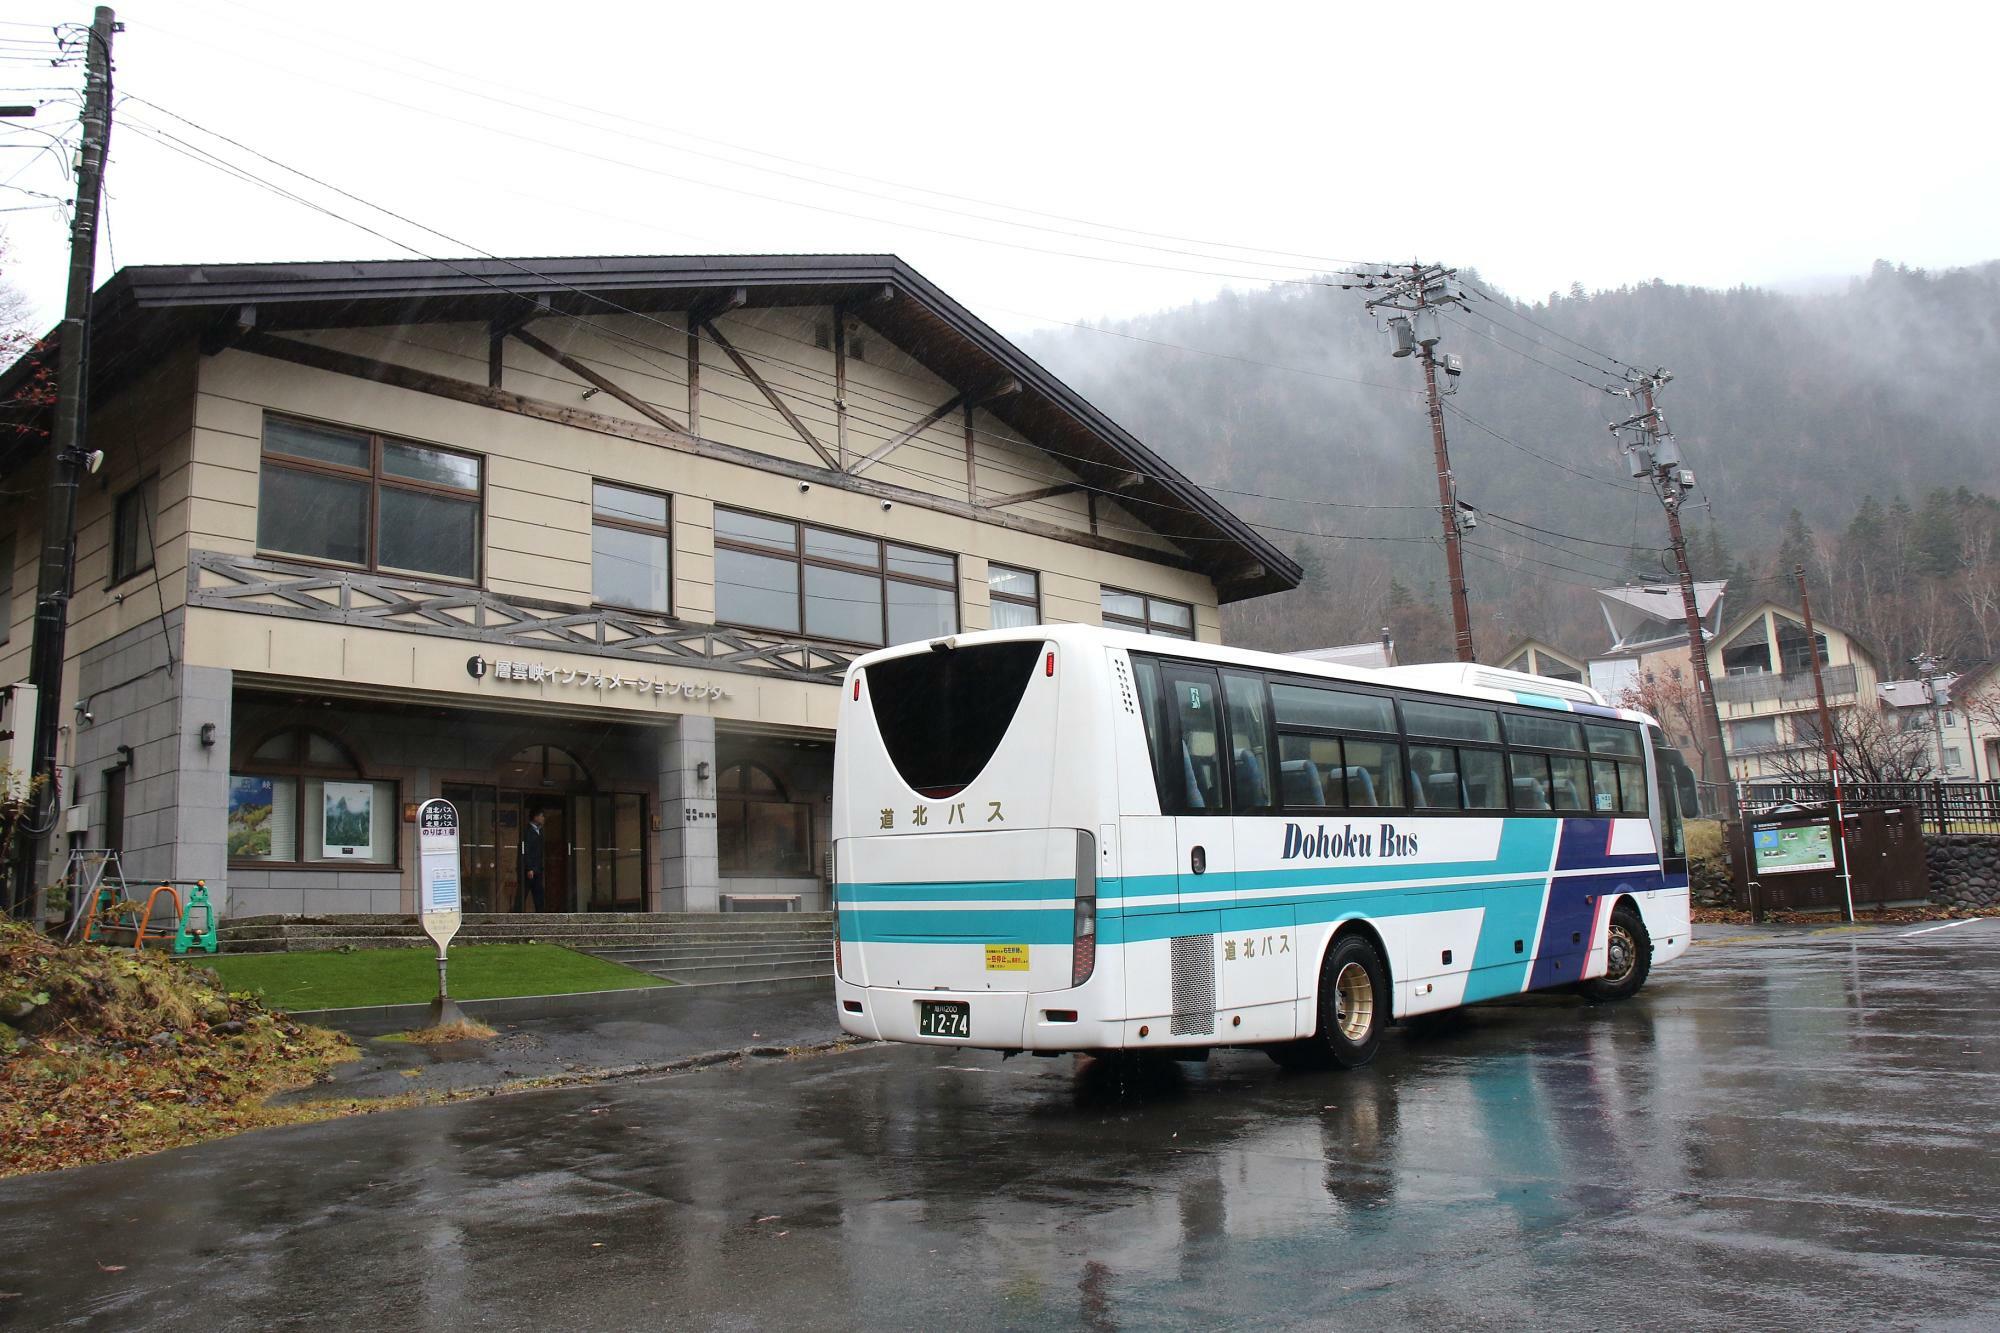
(512, 96)
(1557, 463)
(1507, 346)
(1518, 313)
(574, 150)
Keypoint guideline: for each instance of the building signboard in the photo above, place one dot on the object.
(602, 682)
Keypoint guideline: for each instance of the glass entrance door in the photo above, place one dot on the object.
(593, 849)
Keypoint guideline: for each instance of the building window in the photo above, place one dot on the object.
(1755, 733)
(132, 530)
(1953, 758)
(1147, 615)
(1793, 653)
(759, 829)
(629, 560)
(299, 798)
(1016, 594)
(772, 573)
(368, 500)
(1749, 653)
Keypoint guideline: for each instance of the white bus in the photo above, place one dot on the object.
(1064, 838)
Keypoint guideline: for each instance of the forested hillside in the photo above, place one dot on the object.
(1853, 430)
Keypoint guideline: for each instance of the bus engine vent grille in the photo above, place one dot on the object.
(1193, 973)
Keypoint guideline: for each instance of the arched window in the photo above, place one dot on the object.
(760, 830)
(547, 768)
(299, 797)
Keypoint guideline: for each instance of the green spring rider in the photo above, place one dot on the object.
(187, 937)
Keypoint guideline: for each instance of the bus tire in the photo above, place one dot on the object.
(1628, 957)
(1353, 1001)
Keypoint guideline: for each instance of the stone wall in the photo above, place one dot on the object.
(1709, 883)
(1965, 870)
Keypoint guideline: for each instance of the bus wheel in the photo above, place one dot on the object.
(1628, 957)
(1353, 1001)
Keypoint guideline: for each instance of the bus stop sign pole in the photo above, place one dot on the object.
(438, 904)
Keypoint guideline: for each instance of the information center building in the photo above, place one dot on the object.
(589, 538)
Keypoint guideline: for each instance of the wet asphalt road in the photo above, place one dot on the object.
(1788, 1134)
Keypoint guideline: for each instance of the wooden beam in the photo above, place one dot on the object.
(999, 389)
(770, 395)
(589, 376)
(1039, 493)
(580, 418)
(971, 460)
(496, 337)
(840, 386)
(884, 451)
(694, 377)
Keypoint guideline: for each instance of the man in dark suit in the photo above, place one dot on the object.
(533, 862)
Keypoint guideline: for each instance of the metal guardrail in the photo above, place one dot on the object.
(1791, 687)
(1943, 807)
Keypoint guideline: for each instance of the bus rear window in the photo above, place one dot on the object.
(942, 714)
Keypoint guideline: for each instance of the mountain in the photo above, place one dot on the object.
(1801, 414)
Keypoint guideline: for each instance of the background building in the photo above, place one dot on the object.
(590, 537)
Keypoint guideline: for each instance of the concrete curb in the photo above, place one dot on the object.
(610, 1003)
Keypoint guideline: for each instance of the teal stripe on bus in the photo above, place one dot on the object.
(963, 891)
(998, 925)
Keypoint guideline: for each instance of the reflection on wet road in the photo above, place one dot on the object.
(1782, 1135)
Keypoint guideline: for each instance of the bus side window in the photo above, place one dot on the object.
(1191, 770)
(1249, 742)
(1166, 781)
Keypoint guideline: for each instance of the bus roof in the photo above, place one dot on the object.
(1468, 680)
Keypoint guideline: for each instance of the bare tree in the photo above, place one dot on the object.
(1872, 745)
(1670, 696)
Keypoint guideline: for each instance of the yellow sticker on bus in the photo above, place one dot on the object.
(1006, 958)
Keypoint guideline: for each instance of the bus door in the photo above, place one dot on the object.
(1195, 787)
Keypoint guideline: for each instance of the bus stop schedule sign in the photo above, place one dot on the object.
(438, 902)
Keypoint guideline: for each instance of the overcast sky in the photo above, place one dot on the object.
(1544, 144)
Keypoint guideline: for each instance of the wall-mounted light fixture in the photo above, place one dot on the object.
(701, 770)
(206, 735)
(124, 756)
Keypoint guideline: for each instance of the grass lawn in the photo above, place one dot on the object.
(409, 976)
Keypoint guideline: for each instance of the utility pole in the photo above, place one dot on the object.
(1826, 735)
(1418, 295)
(1657, 457)
(68, 460)
(1929, 667)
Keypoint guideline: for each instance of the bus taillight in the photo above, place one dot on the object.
(1083, 953)
(1049, 663)
(834, 895)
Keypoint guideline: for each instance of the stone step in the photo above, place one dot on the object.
(700, 958)
(700, 976)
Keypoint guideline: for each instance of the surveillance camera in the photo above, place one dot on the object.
(93, 461)
(887, 505)
(805, 486)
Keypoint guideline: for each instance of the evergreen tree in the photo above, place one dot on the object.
(1934, 534)
(1795, 548)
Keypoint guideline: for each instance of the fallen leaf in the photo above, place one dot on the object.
(772, 1218)
(111, 1268)
(784, 1233)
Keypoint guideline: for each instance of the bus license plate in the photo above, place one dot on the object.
(944, 1018)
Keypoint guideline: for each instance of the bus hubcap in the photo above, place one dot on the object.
(1618, 955)
(1354, 1002)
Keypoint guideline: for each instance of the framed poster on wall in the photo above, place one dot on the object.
(350, 819)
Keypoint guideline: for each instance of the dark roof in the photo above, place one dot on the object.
(141, 312)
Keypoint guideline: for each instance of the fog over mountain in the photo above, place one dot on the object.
(1812, 402)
